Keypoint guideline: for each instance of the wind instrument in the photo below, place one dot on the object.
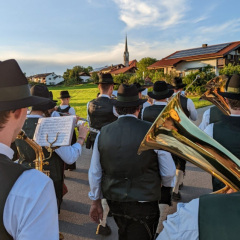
(39, 162)
(213, 86)
(174, 132)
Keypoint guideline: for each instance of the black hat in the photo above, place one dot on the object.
(106, 79)
(177, 83)
(232, 88)
(51, 96)
(42, 91)
(15, 92)
(139, 87)
(64, 94)
(160, 91)
(127, 96)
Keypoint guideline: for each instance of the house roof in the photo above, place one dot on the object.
(132, 64)
(41, 75)
(208, 52)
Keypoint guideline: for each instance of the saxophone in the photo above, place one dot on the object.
(39, 162)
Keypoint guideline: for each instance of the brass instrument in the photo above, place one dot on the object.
(174, 132)
(39, 162)
(212, 95)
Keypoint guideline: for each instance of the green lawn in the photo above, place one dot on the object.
(82, 94)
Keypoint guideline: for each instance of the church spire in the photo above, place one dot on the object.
(126, 54)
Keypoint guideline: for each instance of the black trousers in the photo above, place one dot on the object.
(135, 220)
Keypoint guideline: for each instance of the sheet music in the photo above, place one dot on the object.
(53, 125)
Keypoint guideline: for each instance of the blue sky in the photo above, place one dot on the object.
(53, 35)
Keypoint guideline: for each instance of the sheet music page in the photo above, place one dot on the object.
(64, 126)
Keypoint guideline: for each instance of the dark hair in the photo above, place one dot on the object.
(4, 116)
(126, 110)
(105, 87)
(234, 104)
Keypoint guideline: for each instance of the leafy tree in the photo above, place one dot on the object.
(122, 78)
(95, 77)
(230, 69)
(142, 71)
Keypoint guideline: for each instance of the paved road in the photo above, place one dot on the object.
(74, 220)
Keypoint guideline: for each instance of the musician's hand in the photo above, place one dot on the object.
(96, 211)
(82, 131)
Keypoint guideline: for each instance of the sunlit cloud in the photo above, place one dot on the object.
(158, 13)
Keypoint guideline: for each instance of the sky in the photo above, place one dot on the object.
(53, 35)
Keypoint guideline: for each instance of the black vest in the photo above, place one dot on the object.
(215, 115)
(219, 216)
(100, 111)
(151, 113)
(227, 133)
(183, 101)
(128, 176)
(65, 110)
(9, 173)
(27, 156)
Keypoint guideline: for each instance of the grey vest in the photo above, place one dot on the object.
(128, 176)
(219, 216)
(151, 113)
(9, 173)
(215, 115)
(27, 156)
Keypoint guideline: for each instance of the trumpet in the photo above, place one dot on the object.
(174, 132)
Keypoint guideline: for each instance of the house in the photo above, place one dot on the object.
(47, 78)
(84, 76)
(108, 69)
(128, 69)
(184, 61)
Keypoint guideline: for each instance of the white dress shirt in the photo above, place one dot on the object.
(205, 119)
(167, 169)
(30, 211)
(154, 103)
(192, 110)
(69, 154)
(102, 95)
(71, 111)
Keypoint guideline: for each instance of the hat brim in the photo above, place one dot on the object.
(23, 103)
(129, 104)
(180, 86)
(234, 96)
(159, 97)
(141, 89)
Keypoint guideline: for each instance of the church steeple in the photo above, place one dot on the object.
(126, 54)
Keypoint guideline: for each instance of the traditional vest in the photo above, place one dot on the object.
(219, 216)
(27, 156)
(9, 173)
(65, 110)
(151, 113)
(183, 101)
(215, 115)
(100, 112)
(128, 176)
(227, 133)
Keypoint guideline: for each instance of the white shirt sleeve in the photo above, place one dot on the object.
(72, 111)
(95, 173)
(167, 168)
(30, 211)
(69, 154)
(142, 113)
(205, 119)
(209, 130)
(55, 114)
(192, 110)
(88, 118)
(115, 112)
(182, 225)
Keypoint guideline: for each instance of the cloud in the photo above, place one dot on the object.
(159, 13)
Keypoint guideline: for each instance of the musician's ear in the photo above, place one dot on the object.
(20, 113)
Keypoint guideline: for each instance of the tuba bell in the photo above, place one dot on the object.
(212, 95)
(174, 132)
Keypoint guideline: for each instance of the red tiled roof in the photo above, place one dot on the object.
(132, 64)
(171, 62)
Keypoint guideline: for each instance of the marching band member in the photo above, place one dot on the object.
(130, 182)
(28, 208)
(212, 216)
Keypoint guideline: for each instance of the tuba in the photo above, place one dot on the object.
(39, 162)
(174, 132)
(212, 95)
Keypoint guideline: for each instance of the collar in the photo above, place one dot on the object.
(160, 103)
(104, 95)
(34, 116)
(7, 151)
(235, 115)
(127, 115)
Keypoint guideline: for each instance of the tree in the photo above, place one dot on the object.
(122, 78)
(230, 69)
(142, 71)
(95, 77)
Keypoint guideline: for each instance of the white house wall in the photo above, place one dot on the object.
(51, 80)
(85, 78)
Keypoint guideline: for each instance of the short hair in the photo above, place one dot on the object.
(4, 116)
(126, 110)
(234, 104)
(105, 86)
